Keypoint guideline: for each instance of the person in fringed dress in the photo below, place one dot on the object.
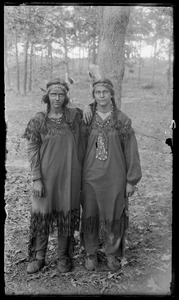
(111, 170)
(55, 151)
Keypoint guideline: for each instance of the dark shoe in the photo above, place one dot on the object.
(91, 262)
(113, 263)
(35, 266)
(64, 265)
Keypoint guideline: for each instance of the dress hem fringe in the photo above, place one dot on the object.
(41, 224)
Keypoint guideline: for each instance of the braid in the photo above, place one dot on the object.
(114, 111)
(94, 108)
(48, 107)
(113, 102)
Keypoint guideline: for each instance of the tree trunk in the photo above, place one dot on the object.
(65, 50)
(169, 69)
(114, 21)
(66, 55)
(17, 64)
(154, 63)
(139, 74)
(51, 60)
(79, 65)
(83, 58)
(94, 51)
(30, 67)
(7, 73)
(90, 55)
(41, 57)
(25, 66)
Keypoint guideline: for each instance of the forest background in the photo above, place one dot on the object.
(41, 42)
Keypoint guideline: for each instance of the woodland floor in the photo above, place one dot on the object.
(146, 267)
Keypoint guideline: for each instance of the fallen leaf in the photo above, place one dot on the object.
(111, 275)
(166, 257)
(124, 262)
(20, 260)
(152, 249)
(53, 274)
(138, 272)
(18, 251)
(105, 285)
(73, 282)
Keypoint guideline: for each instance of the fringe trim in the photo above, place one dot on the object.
(125, 131)
(32, 131)
(44, 224)
(34, 136)
(105, 227)
(72, 122)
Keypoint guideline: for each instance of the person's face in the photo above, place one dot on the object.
(56, 97)
(102, 96)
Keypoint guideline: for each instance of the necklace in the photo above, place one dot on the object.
(55, 119)
(102, 138)
(105, 123)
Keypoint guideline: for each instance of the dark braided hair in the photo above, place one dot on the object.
(114, 111)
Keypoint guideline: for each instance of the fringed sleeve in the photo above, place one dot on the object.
(131, 153)
(32, 134)
(86, 127)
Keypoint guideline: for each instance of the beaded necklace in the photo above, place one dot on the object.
(56, 120)
(102, 139)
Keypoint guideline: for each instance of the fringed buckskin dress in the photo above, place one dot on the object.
(55, 151)
(111, 160)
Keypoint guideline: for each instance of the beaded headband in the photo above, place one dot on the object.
(107, 85)
(103, 82)
(52, 86)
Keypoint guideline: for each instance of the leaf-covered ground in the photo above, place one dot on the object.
(146, 267)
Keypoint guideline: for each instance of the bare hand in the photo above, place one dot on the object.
(87, 114)
(38, 188)
(130, 189)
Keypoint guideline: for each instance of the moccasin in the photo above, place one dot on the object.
(91, 262)
(35, 266)
(64, 265)
(113, 263)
